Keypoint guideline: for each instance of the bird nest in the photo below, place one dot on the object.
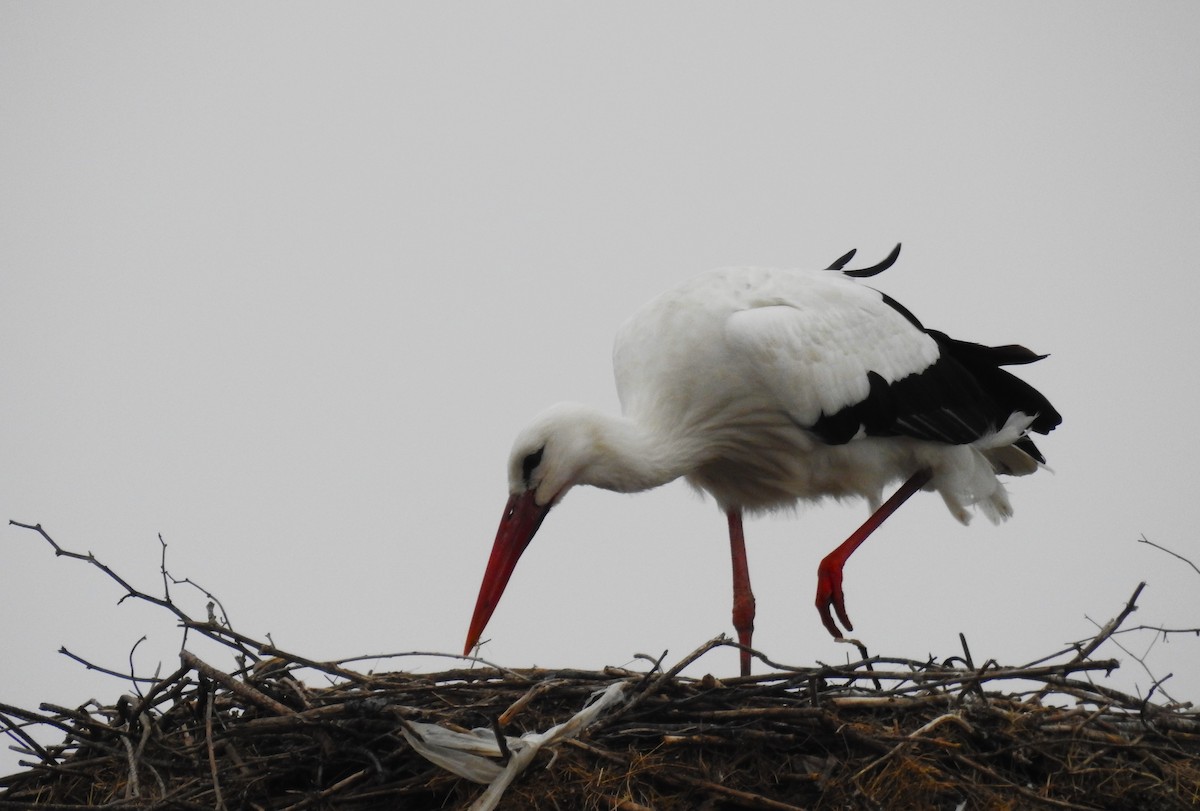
(875, 733)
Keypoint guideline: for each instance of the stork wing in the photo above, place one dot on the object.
(846, 362)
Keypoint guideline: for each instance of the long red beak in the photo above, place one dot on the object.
(522, 517)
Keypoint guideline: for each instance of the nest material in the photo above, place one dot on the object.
(880, 733)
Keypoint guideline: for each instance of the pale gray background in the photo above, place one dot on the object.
(282, 281)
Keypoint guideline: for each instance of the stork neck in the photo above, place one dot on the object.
(629, 458)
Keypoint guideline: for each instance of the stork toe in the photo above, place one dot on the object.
(829, 595)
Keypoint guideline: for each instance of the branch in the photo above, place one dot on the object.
(1141, 660)
(1111, 626)
(239, 688)
(1144, 540)
(106, 671)
(130, 591)
(1159, 629)
(214, 632)
(170, 578)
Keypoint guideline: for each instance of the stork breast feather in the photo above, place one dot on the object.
(815, 359)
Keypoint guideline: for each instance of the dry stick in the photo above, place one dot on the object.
(916, 734)
(147, 728)
(746, 799)
(1141, 660)
(132, 675)
(655, 667)
(1111, 626)
(48, 720)
(1158, 629)
(14, 730)
(943, 679)
(975, 682)
(131, 788)
(327, 667)
(521, 703)
(148, 700)
(215, 630)
(130, 591)
(1004, 781)
(167, 576)
(81, 718)
(440, 655)
(966, 651)
(240, 688)
(247, 645)
(326, 793)
(34, 805)
(657, 684)
(212, 750)
(1144, 540)
(106, 671)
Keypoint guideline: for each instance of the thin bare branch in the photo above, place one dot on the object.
(1111, 626)
(106, 671)
(1144, 540)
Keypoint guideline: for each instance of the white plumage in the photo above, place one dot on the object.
(764, 387)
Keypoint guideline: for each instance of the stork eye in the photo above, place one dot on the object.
(530, 463)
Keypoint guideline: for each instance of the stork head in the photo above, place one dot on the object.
(547, 459)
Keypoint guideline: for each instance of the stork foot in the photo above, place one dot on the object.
(829, 595)
(829, 573)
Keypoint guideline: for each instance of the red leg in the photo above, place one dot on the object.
(743, 598)
(829, 573)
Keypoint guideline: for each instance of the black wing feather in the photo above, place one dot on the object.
(962, 396)
(841, 261)
(874, 270)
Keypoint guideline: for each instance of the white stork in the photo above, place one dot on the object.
(764, 387)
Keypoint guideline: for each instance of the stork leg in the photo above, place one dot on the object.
(743, 598)
(829, 573)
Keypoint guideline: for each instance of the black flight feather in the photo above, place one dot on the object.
(874, 270)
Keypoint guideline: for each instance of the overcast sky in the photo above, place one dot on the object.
(281, 282)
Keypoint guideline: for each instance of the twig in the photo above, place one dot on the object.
(106, 671)
(655, 667)
(657, 684)
(747, 799)
(473, 659)
(131, 788)
(1158, 629)
(130, 591)
(31, 717)
(540, 688)
(238, 687)
(966, 651)
(1019, 789)
(915, 735)
(1141, 660)
(498, 731)
(132, 674)
(1110, 626)
(1144, 540)
(212, 750)
(15, 731)
(179, 581)
(340, 785)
